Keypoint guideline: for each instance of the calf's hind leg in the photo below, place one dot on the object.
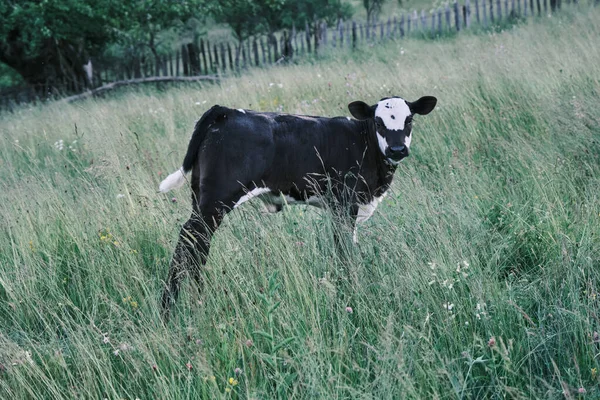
(190, 255)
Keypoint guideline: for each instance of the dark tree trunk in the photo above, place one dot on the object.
(57, 65)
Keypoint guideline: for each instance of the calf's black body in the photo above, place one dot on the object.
(234, 154)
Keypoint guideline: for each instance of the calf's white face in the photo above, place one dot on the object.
(392, 117)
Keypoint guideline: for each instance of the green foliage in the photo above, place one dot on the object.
(477, 277)
(247, 18)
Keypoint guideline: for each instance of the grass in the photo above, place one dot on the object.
(477, 278)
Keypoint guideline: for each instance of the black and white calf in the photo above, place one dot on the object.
(236, 155)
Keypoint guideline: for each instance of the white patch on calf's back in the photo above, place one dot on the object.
(242, 111)
(173, 181)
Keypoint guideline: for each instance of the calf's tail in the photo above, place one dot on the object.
(177, 178)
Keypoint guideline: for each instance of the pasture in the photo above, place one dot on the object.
(477, 277)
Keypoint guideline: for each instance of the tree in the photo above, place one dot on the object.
(242, 16)
(373, 8)
(48, 42)
(147, 19)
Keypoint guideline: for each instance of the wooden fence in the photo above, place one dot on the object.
(211, 60)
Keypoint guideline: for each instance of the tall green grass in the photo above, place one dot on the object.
(477, 278)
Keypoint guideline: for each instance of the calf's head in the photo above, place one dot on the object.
(392, 117)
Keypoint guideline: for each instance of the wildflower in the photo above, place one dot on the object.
(125, 347)
(233, 381)
(596, 337)
(349, 310)
(199, 342)
(594, 372)
(105, 339)
(492, 342)
(227, 390)
(249, 343)
(174, 200)
(581, 390)
(116, 352)
(154, 367)
(449, 306)
(189, 366)
(134, 304)
(237, 371)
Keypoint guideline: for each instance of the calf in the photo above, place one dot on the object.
(236, 155)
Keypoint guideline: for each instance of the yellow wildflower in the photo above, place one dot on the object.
(227, 390)
(594, 373)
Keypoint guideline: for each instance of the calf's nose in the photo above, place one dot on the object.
(397, 152)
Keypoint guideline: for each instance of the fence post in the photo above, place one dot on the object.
(531, 8)
(388, 28)
(456, 16)
(244, 59)
(402, 26)
(194, 59)
(381, 31)
(468, 14)
(395, 28)
(439, 14)
(295, 36)
(546, 6)
(275, 50)
(223, 56)
(177, 63)
(215, 57)
(477, 12)
(499, 7)
(448, 26)
(255, 49)
(334, 33)
(484, 8)
(539, 7)
(432, 23)
(230, 56)
(423, 21)
(307, 31)
(415, 18)
(185, 60)
(341, 33)
(492, 11)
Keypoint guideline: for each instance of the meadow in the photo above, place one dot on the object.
(477, 277)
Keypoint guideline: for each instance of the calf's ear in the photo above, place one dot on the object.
(361, 110)
(423, 106)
